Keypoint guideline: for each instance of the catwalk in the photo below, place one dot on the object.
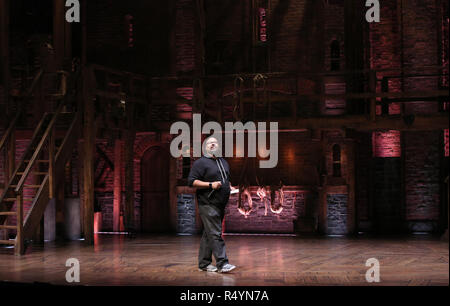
(261, 261)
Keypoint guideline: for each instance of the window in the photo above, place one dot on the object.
(336, 161)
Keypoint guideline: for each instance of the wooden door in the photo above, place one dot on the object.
(155, 191)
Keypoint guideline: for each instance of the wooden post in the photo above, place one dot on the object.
(323, 189)
(89, 153)
(83, 18)
(129, 165)
(59, 31)
(51, 164)
(80, 171)
(10, 164)
(351, 183)
(19, 246)
(445, 236)
(117, 184)
(201, 37)
(4, 51)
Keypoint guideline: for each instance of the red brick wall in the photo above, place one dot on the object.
(257, 221)
(386, 144)
(422, 164)
(185, 43)
(295, 34)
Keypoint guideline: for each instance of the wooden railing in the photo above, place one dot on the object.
(7, 142)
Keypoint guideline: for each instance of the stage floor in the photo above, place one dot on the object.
(261, 261)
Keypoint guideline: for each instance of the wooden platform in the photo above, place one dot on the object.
(261, 261)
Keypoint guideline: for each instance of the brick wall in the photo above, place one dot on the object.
(421, 48)
(257, 221)
(386, 144)
(422, 166)
(185, 43)
(186, 208)
(294, 32)
(337, 214)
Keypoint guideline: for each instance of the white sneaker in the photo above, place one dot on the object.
(209, 268)
(227, 268)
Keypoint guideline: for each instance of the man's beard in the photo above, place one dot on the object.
(213, 152)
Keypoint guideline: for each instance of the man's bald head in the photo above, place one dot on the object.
(212, 146)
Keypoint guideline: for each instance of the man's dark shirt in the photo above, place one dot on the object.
(207, 170)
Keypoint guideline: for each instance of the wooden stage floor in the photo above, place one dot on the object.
(261, 261)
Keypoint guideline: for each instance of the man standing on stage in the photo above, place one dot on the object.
(210, 175)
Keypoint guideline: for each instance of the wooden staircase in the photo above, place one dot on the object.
(24, 202)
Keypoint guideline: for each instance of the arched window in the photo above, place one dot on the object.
(336, 160)
(335, 55)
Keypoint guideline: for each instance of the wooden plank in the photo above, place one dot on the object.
(130, 135)
(9, 131)
(11, 242)
(117, 184)
(59, 24)
(89, 155)
(5, 50)
(51, 164)
(351, 183)
(11, 157)
(362, 123)
(19, 246)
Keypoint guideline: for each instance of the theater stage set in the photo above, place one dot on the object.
(362, 109)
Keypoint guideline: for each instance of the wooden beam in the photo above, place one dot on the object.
(51, 164)
(129, 179)
(19, 246)
(350, 148)
(4, 51)
(59, 24)
(11, 157)
(362, 123)
(359, 123)
(88, 156)
(130, 135)
(117, 184)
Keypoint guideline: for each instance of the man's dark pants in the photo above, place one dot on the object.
(212, 242)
